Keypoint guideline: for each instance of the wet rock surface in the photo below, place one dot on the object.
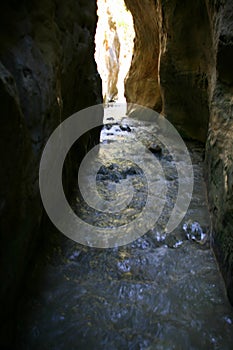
(160, 291)
(156, 149)
(47, 72)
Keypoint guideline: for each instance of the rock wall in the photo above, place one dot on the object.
(47, 72)
(142, 84)
(186, 61)
(107, 51)
(182, 65)
(114, 46)
(171, 67)
(186, 50)
(219, 146)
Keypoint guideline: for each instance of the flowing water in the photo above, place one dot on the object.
(162, 291)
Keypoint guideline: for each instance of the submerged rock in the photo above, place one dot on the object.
(125, 127)
(112, 173)
(156, 149)
(194, 232)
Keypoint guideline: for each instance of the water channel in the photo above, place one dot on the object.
(161, 291)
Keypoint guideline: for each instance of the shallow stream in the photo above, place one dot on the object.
(161, 291)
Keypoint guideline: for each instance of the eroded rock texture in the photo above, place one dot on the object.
(107, 51)
(47, 72)
(186, 65)
(142, 85)
(219, 147)
(182, 66)
(171, 67)
(185, 49)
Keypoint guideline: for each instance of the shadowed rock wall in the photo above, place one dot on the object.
(219, 146)
(186, 60)
(186, 49)
(172, 62)
(47, 72)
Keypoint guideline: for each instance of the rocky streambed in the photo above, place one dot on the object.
(161, 291)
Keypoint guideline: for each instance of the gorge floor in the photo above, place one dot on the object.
(162, 291)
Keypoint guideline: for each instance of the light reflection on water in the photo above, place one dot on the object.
(159, 292)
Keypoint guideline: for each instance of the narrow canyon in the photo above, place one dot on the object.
(161, 291)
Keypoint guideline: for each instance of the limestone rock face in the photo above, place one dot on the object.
(114, 46)
(47, 72)
(107, 51)
(141, 84)
(112, 62)
(172, 62)
(182, 65)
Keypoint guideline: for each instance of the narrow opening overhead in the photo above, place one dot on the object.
(114, 47)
